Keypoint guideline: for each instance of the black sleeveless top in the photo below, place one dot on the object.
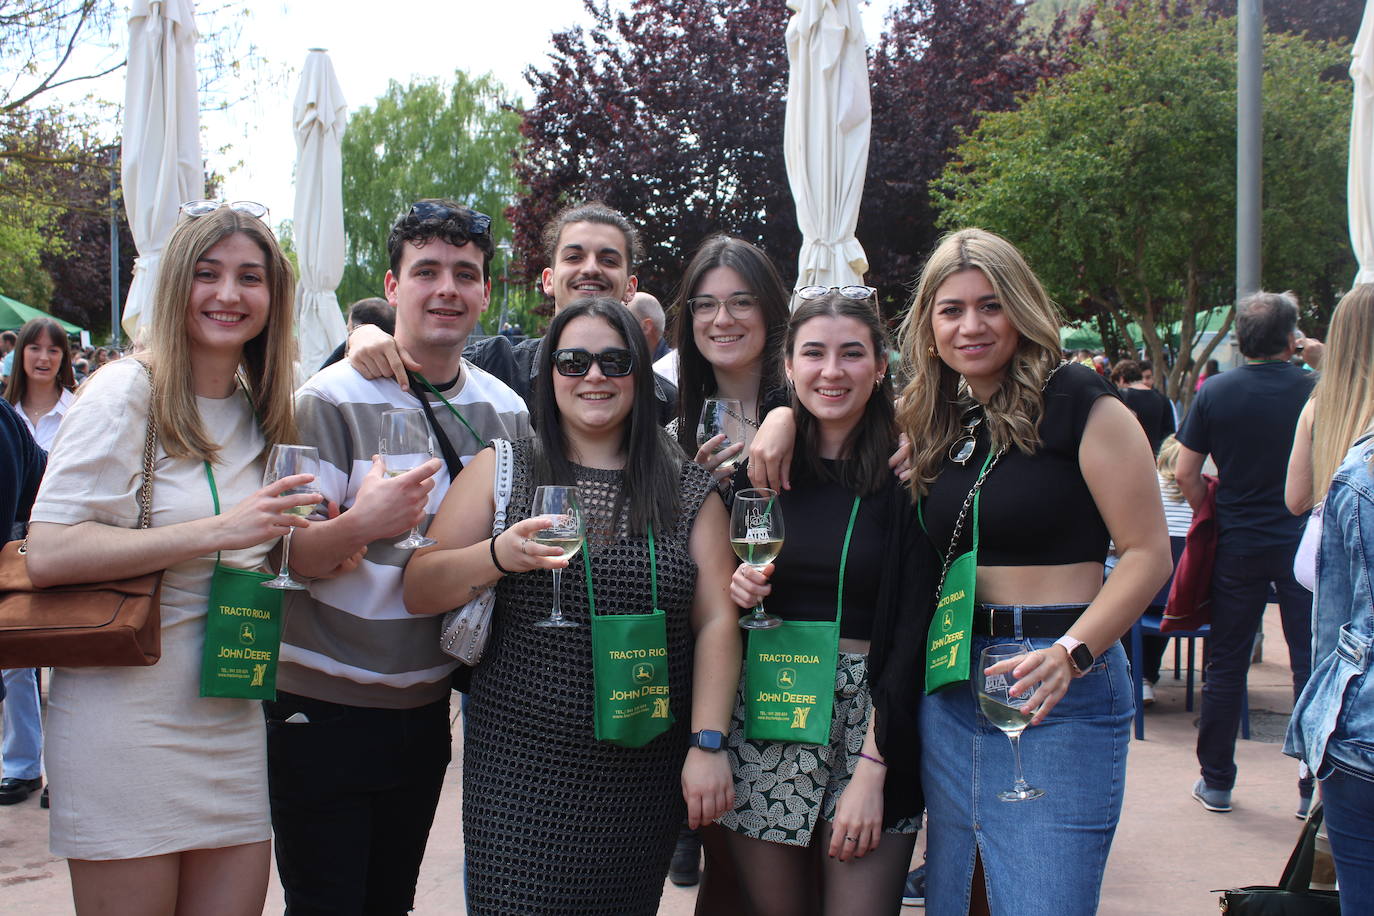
(1035, 510)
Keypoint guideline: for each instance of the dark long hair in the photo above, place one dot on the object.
(875, 435)
(652, 467)
(696, 379)
(18, 385)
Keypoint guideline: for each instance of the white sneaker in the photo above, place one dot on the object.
(1147, 693)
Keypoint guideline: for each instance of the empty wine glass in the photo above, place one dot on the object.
(286, 461)
(564, 506)
(756, 534)
(1005, 711)
(404, 446)
(723, 415)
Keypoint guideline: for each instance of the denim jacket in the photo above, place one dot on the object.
(1333, 720)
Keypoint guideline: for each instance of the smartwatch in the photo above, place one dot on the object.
(707, 740)
(1080, 656)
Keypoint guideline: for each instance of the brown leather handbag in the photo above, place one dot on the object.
(92, 624)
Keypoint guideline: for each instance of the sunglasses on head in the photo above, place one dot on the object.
(475, 223)
(615, 362)
(195, 208)
(857, 293)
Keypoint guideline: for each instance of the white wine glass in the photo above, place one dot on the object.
(723, 415)
(286, 461)
(563, 505)
(756, 533)
(1005, 711)
(404, 446)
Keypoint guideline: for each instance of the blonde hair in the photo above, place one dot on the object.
(1166, 462)
(268, 364)
(931, 401)
(1343, 400)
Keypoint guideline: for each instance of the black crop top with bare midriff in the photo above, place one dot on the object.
(1035, 510)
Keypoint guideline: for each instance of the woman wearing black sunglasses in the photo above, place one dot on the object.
(556, 818)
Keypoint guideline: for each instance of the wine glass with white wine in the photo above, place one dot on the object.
(756, 533)
(405, 445)
(1005, 711)
(723, 415)
(286, 461)
(564, 506)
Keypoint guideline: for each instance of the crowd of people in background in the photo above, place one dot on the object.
(947, 493)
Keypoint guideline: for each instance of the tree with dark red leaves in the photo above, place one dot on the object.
(939, 65)
(673, 114)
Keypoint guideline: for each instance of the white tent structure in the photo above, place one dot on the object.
(319, 115)
(1360, 183)
(825, 139)
(161, 168)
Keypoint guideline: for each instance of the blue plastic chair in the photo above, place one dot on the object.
(1149, 623)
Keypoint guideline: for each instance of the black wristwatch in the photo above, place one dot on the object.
(1080, 656)
(707, 740)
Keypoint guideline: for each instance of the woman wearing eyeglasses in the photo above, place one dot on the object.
(1063, 469)
(159, 794)
(731, 313)
(566, 809)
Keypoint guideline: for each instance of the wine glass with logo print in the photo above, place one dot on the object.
(405, 445)
(756, 534)
(286, 461)
(1005, 711)
(722, 415)
(564, 506)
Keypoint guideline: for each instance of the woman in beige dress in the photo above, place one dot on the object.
(159, 796)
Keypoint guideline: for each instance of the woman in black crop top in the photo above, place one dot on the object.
(1069, 470)
(839, 816)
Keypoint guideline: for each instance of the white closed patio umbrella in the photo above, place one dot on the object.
(1360, 181)
(825, 138)
(319, 115)
(161, 165)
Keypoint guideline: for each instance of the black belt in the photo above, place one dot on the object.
(1001, 622)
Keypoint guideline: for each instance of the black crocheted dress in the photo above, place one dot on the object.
(555, 822)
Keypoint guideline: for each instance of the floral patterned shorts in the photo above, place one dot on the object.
(781, 786)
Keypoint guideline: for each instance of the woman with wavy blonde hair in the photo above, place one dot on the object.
(1065, 469)
(159, 793)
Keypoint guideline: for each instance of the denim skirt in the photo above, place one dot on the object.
(1043, 856)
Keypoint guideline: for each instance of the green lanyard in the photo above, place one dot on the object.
(789, 675)
(630, 668)
(453, 410)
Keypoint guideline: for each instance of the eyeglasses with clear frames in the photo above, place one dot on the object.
(857, 293)
(739, 306)
(204, 207)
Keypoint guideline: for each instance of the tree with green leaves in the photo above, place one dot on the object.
(431, 138)
(1118, 179)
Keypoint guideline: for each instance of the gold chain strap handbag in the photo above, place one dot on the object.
(91, 624)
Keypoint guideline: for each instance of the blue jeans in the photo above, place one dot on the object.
(22, 755)
(1240, 587)
(1349, 804)
(1044, 856)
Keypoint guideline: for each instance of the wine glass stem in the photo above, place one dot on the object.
(758, 611)
(1015, 740)
(285, 571)
(557, 595)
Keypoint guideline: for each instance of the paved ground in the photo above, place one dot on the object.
(1168, 856)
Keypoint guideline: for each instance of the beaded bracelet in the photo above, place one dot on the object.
(495, 562)
(880, 763)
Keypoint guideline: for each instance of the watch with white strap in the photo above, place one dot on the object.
(1080, 656)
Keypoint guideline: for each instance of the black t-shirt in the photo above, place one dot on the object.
(1245, 420)
(806, 578)
(1034, 510)
(1154, 412)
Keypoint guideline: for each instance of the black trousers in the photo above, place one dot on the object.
(1240, 588)
(353, 793)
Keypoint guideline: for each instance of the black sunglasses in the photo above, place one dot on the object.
(615, 362)
(475, 223)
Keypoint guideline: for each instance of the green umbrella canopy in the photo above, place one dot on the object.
(14, 315)
(1085, 337)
